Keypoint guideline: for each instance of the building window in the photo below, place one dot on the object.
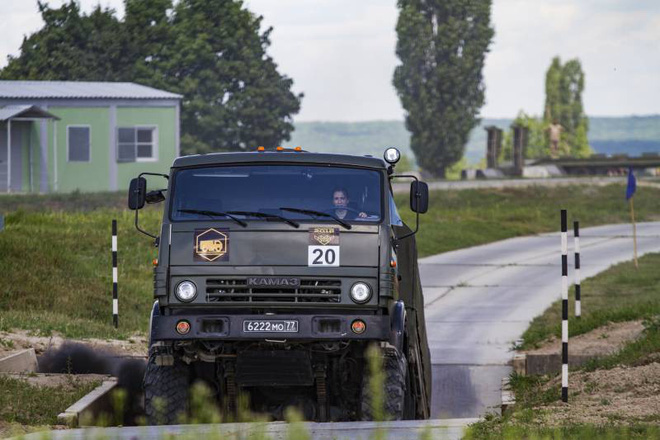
(78, 143)
(136, 144)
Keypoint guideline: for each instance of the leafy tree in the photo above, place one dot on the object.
(442, 45)
(537, 138)
(71, 45)
(213, 53)
(564, 85)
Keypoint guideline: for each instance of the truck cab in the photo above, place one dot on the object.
(276, 271)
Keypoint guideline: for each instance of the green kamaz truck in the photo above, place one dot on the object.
(276, 271)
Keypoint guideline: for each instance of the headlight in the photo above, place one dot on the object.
(186, 291)
(360, 292)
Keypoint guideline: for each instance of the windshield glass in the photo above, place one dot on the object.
(246, 191)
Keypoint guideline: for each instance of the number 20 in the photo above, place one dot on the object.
(324, 256)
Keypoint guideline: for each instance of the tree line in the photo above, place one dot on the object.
(212, 53)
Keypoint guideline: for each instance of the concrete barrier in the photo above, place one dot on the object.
(550, 363)
(24, 361)
(508, 398)
(90, 407)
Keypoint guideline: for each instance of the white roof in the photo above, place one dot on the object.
(28, 111)
(80, 90)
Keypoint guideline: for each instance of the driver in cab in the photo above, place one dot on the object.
(340, 202)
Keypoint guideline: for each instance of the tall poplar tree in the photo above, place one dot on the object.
(442, 45)
(564, 85)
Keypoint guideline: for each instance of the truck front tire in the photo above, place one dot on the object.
(395, 368)
(166, 392)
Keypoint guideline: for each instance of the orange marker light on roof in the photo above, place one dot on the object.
(280, 148)
(261, 149)
(298, 149)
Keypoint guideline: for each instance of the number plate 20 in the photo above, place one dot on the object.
(323, 256)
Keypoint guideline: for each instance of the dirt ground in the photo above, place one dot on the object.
(18, 340)
(621, 395)
(601, 341)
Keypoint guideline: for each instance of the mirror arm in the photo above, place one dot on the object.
(137, 223)
(417, 196)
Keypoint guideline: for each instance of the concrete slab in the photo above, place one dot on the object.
(448, 429)
(24, 361)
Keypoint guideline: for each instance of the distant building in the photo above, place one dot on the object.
(62, 136)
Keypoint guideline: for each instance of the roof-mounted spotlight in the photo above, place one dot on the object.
(392, 155)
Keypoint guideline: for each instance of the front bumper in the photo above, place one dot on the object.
(229, 327)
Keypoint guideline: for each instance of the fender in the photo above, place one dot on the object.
(398, 325)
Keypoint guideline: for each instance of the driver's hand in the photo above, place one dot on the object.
(362, 215)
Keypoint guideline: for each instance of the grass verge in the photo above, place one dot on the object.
(55, 250)
(622, 293)
(22, 403)
(609, 397)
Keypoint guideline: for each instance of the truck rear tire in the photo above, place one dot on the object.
(395, 369)
(166, 390)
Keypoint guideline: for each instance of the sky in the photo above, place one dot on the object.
(340, 53)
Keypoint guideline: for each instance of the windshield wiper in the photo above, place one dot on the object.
(266, 216)
(213, 214)
(313, 213)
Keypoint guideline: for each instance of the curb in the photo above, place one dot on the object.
(541, 364)
(24, 361)
(508, 398)
(90, 406)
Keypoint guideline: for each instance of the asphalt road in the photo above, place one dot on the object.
(480, 300)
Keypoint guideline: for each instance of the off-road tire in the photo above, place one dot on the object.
(395, 368)
(166, 390)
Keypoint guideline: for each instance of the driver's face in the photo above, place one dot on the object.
(339, 199)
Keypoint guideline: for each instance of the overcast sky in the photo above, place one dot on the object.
(340, 53)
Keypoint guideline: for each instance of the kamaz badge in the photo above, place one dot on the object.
(211, 245)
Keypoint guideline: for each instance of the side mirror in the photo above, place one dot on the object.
(137, 193)
(419, 197)
(155, 196)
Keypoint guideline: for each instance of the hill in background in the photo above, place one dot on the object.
(632, 135)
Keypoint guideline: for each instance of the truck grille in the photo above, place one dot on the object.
(311, 290)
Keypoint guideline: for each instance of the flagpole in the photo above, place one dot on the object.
(632, 216)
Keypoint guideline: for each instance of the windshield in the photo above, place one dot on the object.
(265, 192)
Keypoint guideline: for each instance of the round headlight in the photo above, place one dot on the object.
(360, 292)
(392, 155)
(186, 291)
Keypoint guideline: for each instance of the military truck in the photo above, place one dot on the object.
(276, 271)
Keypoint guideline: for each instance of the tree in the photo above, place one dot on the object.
(564, 85)
(71, 45)
(213, 53)
(442, 45)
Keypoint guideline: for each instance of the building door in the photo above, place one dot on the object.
(16, 158)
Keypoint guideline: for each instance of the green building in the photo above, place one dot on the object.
(62, 136)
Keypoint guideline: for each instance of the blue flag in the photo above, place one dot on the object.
(632, 184)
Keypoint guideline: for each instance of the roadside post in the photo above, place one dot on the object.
(564, 307)
(578, 301)
(115, 302)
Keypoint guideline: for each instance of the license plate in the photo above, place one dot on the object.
(270, 326)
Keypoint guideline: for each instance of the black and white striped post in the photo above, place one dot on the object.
(578, 301)
(115, 301)
(564, 307)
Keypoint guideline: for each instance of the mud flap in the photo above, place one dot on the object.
(398, 325)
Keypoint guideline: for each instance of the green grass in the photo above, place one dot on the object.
(484, 431)
(55, 250)
(459, 219)
(622, 293)
(32, 405)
